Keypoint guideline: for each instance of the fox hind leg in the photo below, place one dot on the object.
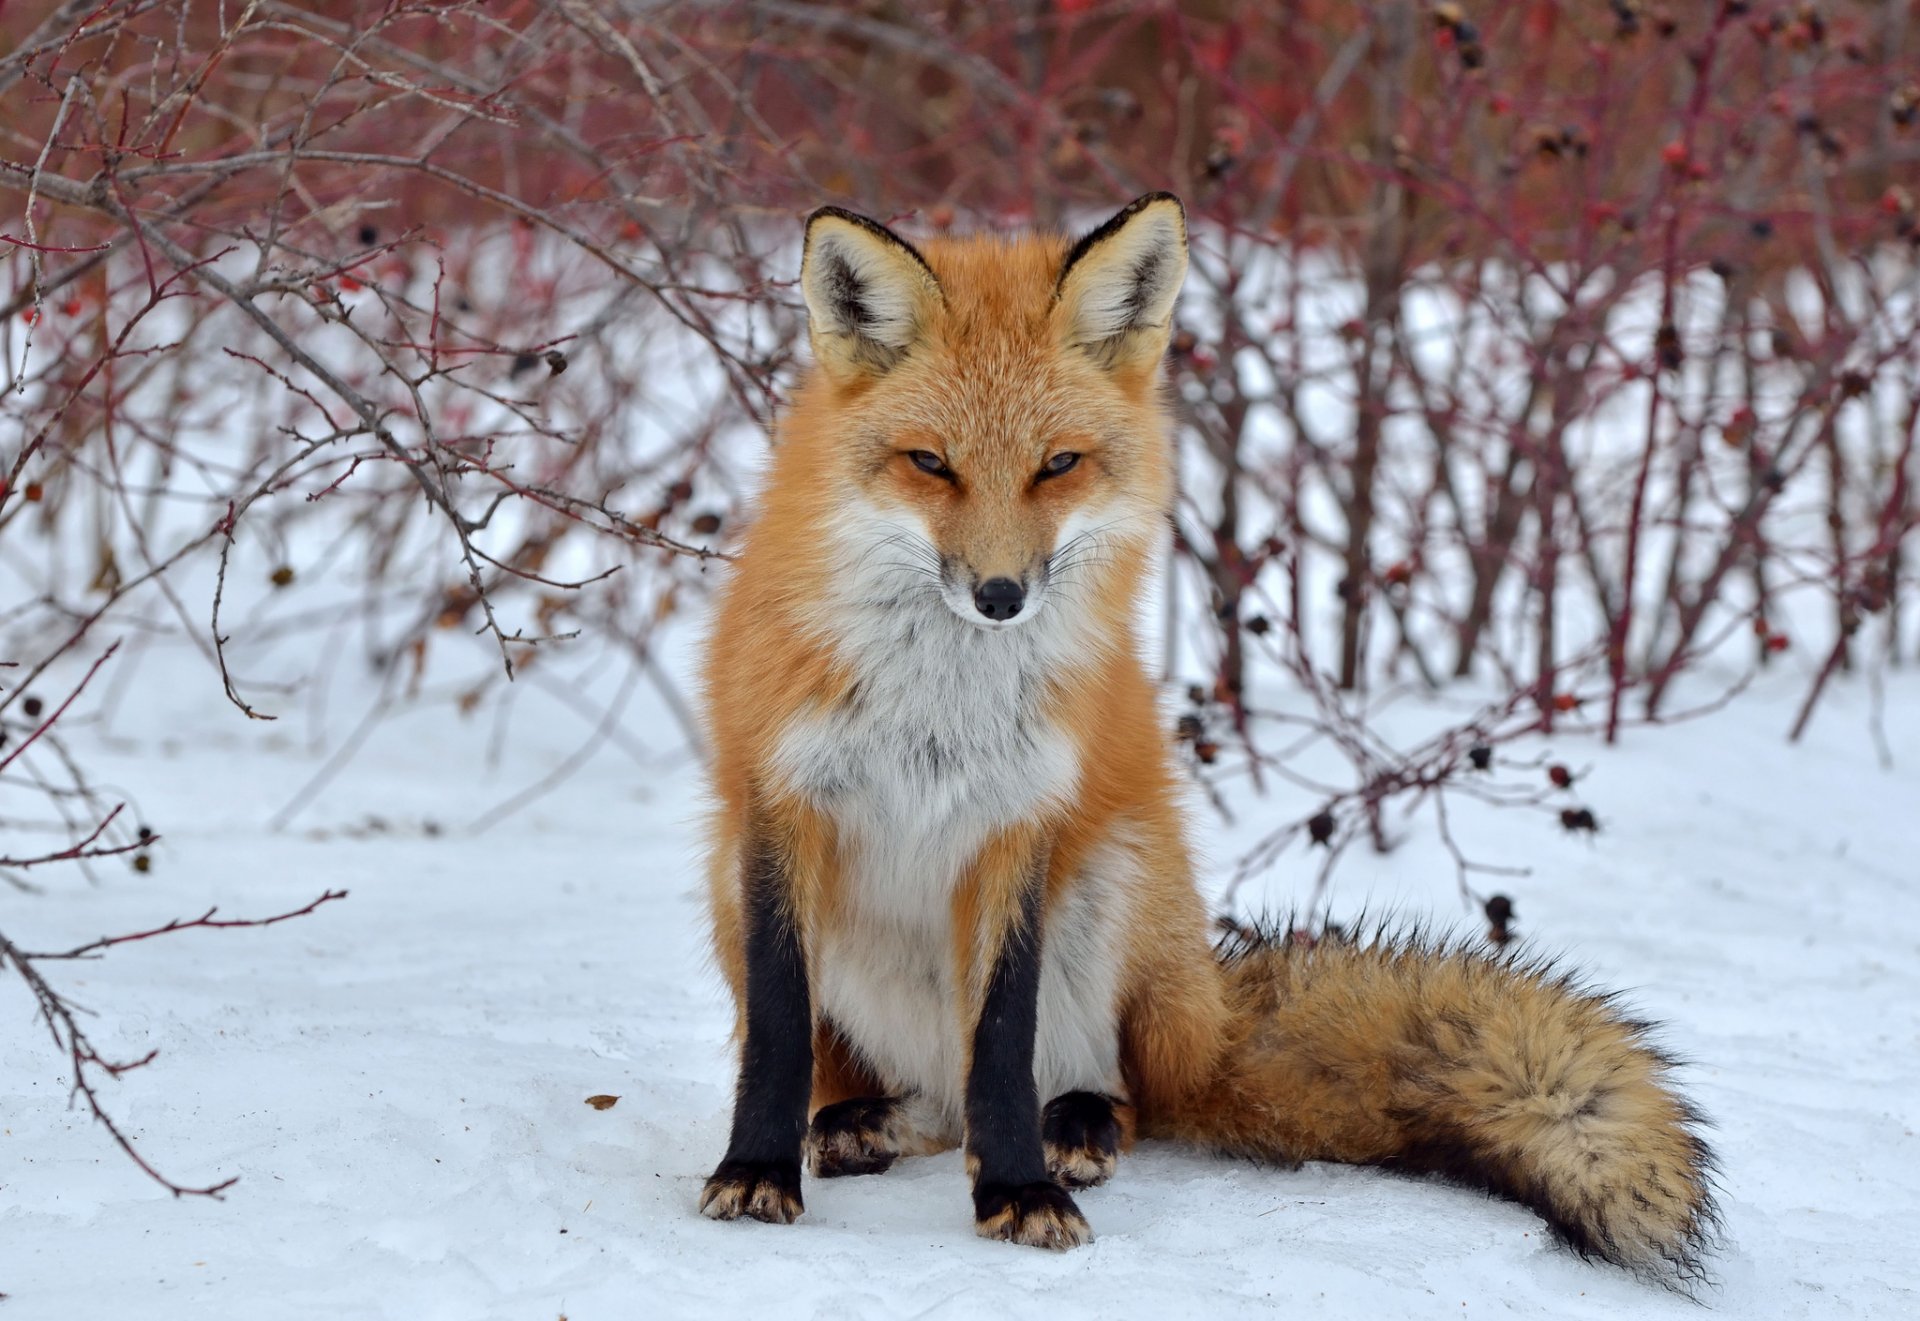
(866, 1134)
(1082, 1133)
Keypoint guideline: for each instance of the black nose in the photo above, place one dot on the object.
(999, 598)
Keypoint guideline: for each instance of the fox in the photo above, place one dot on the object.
(950, 879)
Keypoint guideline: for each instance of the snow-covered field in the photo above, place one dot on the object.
(399, 1080)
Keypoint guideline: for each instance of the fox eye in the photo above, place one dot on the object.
(929, 462)
(1064, 461)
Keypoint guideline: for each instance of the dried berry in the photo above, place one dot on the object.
(1258, 625)
(1320, 827)
(1500, 916)
(32, 706)
(282, 576)
(1480, 756)
(1577, 819)
(706, 524)
(1562, 777)
(1666, 347)
(142, 862)
(1188, 728)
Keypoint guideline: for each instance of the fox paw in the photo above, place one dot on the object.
(1081, 1135)
(853, 1137)
(766, 1190)
(1039, 1215)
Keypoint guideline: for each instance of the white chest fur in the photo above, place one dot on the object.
(941, 744)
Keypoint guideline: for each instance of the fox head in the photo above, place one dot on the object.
(983, 422)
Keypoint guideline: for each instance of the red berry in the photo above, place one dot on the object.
(1739, 427)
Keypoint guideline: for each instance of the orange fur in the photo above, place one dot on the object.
(979, 351)
(1443, 1060)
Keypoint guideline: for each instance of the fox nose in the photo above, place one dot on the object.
(999, 598)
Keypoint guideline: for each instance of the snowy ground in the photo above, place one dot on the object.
(399, 1080)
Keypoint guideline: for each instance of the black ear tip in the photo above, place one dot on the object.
(872, 227)
(838, 213)
(1179, 208)
(1113, 225)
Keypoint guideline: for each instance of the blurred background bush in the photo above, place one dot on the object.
(1562, 351)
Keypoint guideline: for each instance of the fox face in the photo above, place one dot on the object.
(985, 419)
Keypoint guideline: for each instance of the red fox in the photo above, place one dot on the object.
(950, 881)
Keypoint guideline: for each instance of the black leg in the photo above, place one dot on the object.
(1013, 1196)
(760, 1176)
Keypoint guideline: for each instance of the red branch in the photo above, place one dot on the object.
(205, 920)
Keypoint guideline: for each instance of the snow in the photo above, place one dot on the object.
(399, 1080)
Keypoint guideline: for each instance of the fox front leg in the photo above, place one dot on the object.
(760, 1177)
(1014, 1197)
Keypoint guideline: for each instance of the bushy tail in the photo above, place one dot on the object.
(1437, 1059)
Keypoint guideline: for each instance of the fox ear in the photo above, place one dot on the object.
(869, 293)
(1117, 288)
